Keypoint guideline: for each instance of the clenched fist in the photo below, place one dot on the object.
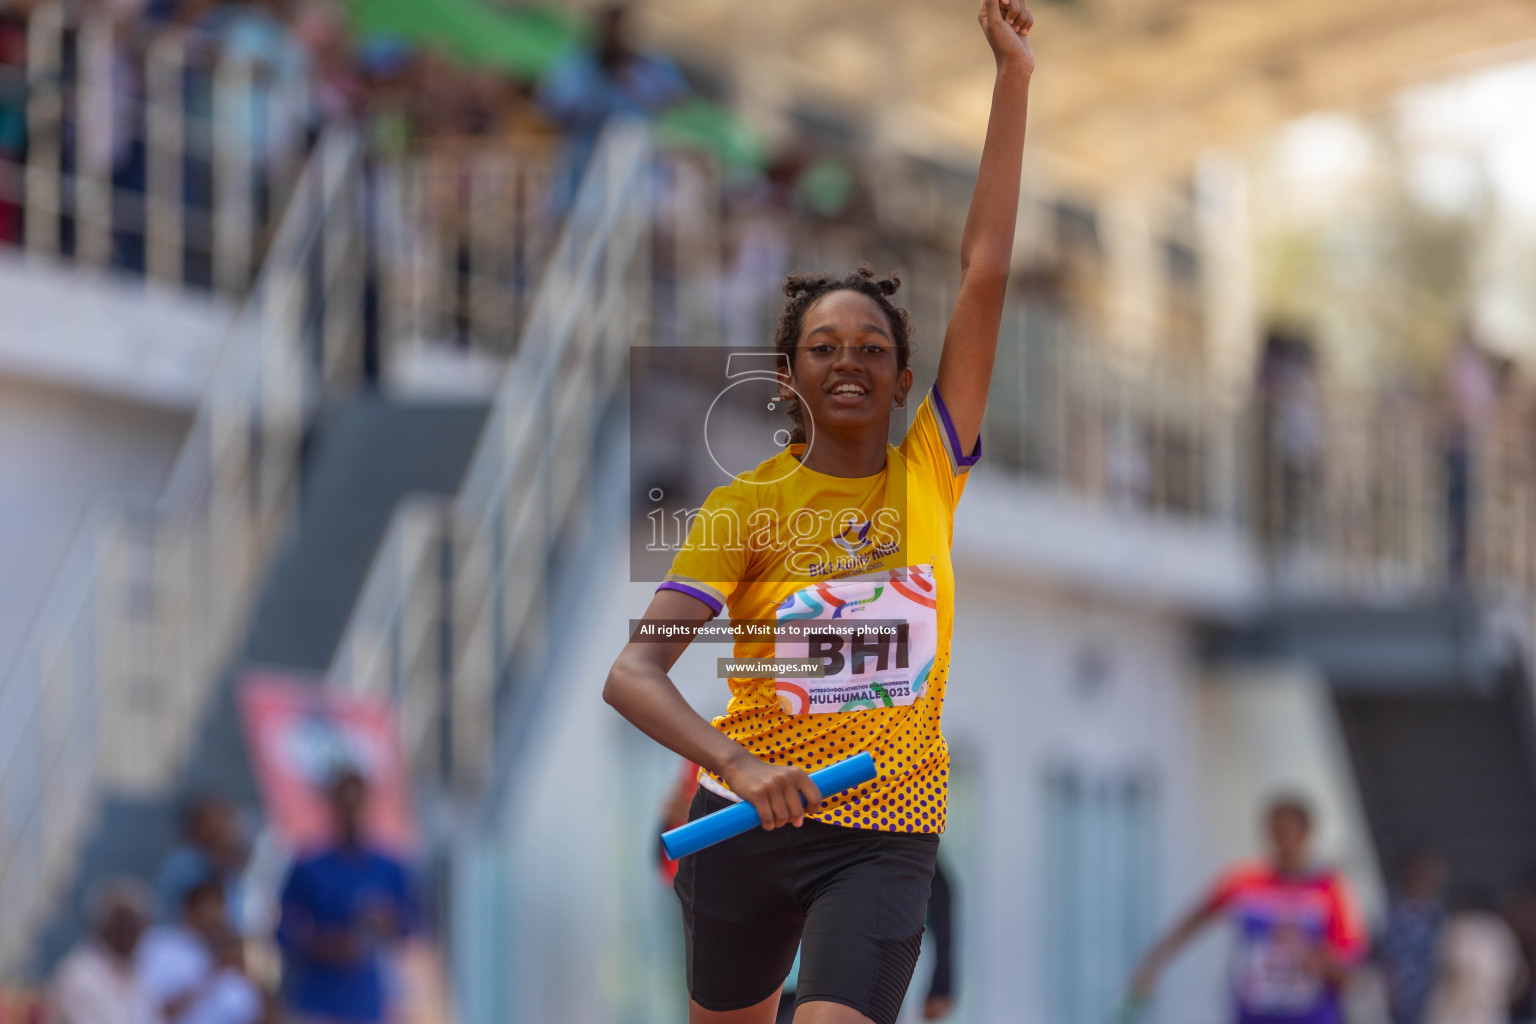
(1007, 24)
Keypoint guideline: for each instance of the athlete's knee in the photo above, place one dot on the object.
(758, 1013)
(824, 1011)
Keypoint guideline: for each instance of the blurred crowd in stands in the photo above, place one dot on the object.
(176, 952)
(542, 79)
(411, 91)
(1449, 954)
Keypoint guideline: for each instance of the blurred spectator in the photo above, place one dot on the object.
(339, 91)
(388, 68)
(1406, 948)
(193, 970)
(675, 814)
(274, 114)
(229, 996)
(13, 117)
(1480, 968)
(175, 959)
(1291, 436)
(97, 982)
(1520, 913)
(1127, 465)
(112, 130)
(1299, 935)
(1470, 401)
(342, 909)
(211, 848)
(1272, 369)
(586, 88)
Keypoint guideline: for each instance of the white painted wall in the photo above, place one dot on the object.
(95, 330)
(1051, 536)
(99, 376)
(60, 452)
(1021, 702)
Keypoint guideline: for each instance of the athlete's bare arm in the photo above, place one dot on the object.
(986, 247)
(639, 688)
(1145, 978)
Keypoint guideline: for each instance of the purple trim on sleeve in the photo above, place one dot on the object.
(684, 588)
(964, 461)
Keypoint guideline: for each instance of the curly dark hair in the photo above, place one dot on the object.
(803, 290)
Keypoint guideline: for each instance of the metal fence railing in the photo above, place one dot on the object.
(464, 239)
(1390, 500)
(1154, 439)
(466, 233)
(117, 665)
(1344, 494)
(145, 148)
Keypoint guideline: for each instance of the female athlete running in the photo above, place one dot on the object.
(839, 528)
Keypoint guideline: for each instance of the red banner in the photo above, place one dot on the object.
(20, 1007)
(300, 734)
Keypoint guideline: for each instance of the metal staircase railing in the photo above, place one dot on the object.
(453, 600)
(152, 598)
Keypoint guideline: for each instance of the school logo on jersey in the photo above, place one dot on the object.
(877, 648)
(858, 546)
(854, 538)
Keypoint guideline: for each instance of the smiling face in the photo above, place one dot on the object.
(846, 366)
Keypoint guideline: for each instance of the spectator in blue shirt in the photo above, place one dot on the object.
(1408, 947)
(341, 911)
(587, 87)
(211, 847)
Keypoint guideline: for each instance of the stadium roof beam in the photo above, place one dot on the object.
(1133, 86)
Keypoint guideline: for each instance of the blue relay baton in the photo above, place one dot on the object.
(738, 818)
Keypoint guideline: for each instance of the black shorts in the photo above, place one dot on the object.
(852, 899)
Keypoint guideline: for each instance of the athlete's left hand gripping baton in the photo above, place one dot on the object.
(738, 818)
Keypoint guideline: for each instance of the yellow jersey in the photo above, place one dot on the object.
(855, 572)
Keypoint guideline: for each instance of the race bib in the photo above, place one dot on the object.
(1272, 980)
(876, 638)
